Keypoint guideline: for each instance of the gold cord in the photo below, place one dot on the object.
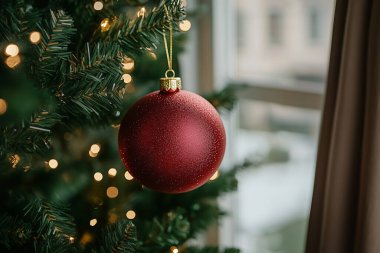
(168, 50)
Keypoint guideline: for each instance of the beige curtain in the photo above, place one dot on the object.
(345, 212)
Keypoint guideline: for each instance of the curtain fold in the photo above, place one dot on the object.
(345, 212)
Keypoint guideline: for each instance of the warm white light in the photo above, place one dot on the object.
(141, 12)
(35, 37)
(98, 176)
(185, 25)
(95, 148)
(13, 61)
(128, 176)
(215, 176)
(112, 172)
(105, 25)
(174, 249)
(112, 192)
(98, 5)
(92, 154)
(93, 222)
(12, 50)
(128, 64)
(71, 239)
(131, 214)
(127, 78)
(3, 106)
(53, 163)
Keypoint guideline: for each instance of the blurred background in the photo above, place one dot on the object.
(276, 53)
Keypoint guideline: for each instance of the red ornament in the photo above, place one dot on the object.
(172, 141)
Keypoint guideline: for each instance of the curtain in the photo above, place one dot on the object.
(345, 211)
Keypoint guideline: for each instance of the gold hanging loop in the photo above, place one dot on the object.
(169, 83)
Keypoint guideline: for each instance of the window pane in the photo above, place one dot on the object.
(283, 39)
(279, 44)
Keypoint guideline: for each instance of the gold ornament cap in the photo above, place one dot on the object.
(170, 83)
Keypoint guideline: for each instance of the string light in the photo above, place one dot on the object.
(185, 25)
(53, 163)
(98, 176)
(127, 78)
(131, 214)
(98, 5)
(105, 25)
(174, 249)
(12, 50)
(35, 37)
(112, 192)
(141, 12)
(215, 176)
(71, 239)
(93, 222)
(128, 176)
(3, 106)
(128, 64)
(95, 148)
(112, 172)
(13, 61)
(14, 160)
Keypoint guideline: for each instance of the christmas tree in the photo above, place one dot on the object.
(69, 70)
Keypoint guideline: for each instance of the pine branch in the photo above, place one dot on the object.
(119, 238)
(14, 231)
(93, 91)
(172, 229)
(53, 47)
(50, 219)
(145, 31)
(49, 244)
(19, 19)
(22, 140)
(225, 98)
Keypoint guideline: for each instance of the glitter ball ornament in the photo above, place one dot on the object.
(172, 140)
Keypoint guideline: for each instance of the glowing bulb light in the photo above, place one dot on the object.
(93, 222)
(174, 249)
(128, 176)
(53, 163)
(98, 5)
(112, 172)
(95, 148)
(3, 106)
(112, 192)
(130, 214)
(127, 78)
(13, 61)
(105, 25)
(128, 64)
(35, 37)
(12, 50)
(98, 176)
(185, 25)
(141, 12)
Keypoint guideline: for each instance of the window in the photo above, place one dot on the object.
(282, 76)
(315, 23)
(275, 28)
